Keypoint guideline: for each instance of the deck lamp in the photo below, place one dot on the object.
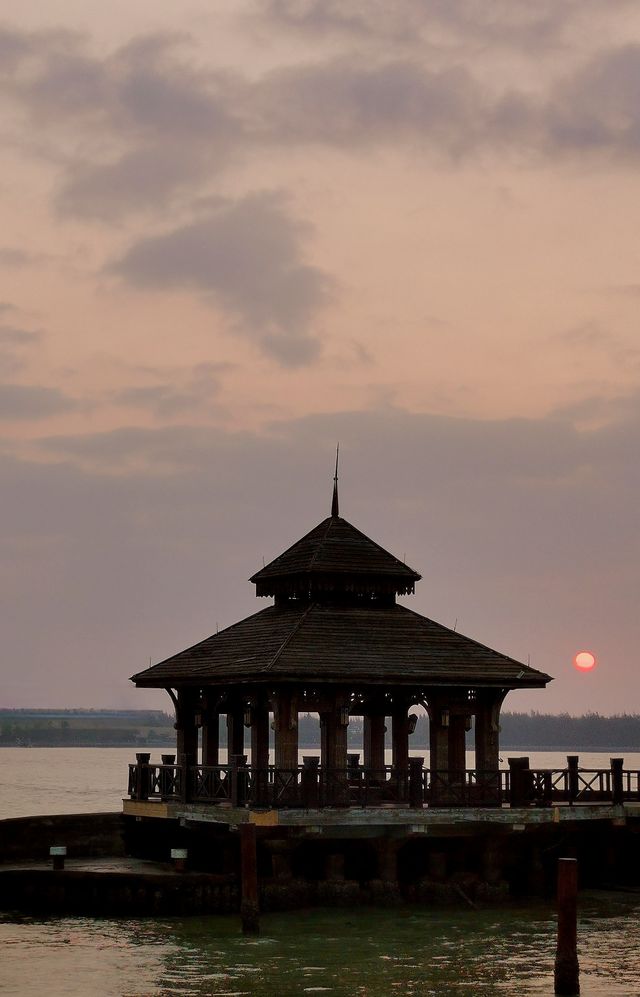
(248, 716)
(444, 718)
(412, 723)
(468, 722)
(344, 716)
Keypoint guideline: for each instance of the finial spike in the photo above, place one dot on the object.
(335, 511)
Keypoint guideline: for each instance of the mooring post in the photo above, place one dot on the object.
(249, 907)
(567, 970)
(58, 854)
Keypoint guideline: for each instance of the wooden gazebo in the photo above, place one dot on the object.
(337, 643)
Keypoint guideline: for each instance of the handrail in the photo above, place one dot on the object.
(356, 786)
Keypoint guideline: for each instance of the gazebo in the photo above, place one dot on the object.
(334, 642)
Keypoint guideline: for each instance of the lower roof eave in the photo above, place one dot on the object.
(262, 678)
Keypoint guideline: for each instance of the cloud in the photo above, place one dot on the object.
(137, 180)
(30, 402)
(348, 101)
(12, 335)
(14, 341)
(511, 24)
(245, 256)
(147, 127)
(197, 391)
(127, 130)
(13, 257)
(597, 108)
(513, 21)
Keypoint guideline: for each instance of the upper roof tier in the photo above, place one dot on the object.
(334, 558)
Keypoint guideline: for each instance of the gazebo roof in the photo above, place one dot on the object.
(335, 551)
(322, 642)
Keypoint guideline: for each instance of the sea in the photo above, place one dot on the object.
(414, 951)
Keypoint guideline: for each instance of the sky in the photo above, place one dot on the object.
(236, 234)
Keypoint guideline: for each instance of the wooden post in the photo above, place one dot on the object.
(572, 777)
(310, 784)
(567, 970)
(249, 905)
(238, 780)
(167, 776)
(416, 782)
(142, 775)
(617, 786)
(519, 782)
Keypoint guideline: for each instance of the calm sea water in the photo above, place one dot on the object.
(369, 953)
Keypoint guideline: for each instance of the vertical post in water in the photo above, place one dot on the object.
(567, 971)
(249, 909)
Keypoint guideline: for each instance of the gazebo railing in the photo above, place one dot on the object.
(310, 786)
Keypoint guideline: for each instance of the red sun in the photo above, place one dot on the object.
(584, 661)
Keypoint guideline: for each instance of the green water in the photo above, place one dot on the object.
(372, 953)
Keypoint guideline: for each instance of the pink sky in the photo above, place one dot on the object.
(236, 233)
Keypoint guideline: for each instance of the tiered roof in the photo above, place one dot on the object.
(324, 642)
(336, 621)
(335, 555)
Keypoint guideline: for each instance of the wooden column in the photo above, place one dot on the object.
(439, 718)
(211, 737)
(333, 752)
(235, 730)
(373, 744)
(333, 747)
(286, 724)
(260, 734)
(438, 738)
(487, 741)
(260, 750)
(400, 738)
(457, 743)
(186, 729)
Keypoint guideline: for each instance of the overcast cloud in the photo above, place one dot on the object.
(497, 516)
(247, 256)
(234, 234)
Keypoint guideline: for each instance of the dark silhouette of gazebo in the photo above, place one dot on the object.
(337, 643)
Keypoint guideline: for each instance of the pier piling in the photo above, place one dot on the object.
(249, 908)
(567, 970)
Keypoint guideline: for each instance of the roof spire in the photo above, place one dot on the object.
(334, 502)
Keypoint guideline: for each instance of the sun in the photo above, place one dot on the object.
(584, 661)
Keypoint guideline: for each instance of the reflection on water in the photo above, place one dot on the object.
(494, 953)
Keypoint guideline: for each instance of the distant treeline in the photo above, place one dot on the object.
(591, 731)
(153, 728)
(85, 728)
